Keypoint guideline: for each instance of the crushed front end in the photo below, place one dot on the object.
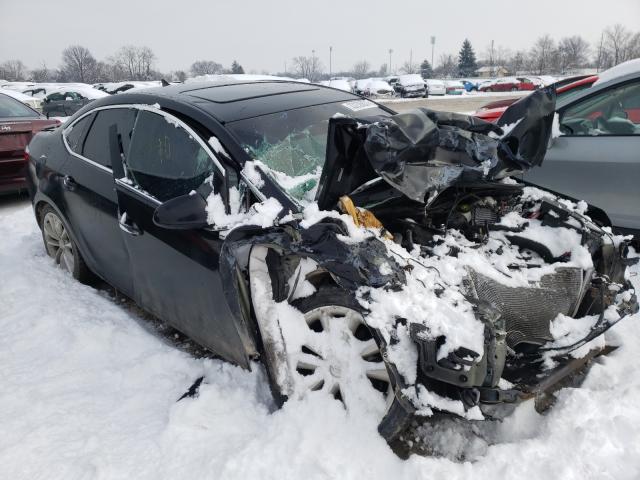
(508, 288)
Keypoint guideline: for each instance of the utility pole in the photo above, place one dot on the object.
(433, 46)
(411, 60)
(312, 70)
(390, 52)
(330, 52)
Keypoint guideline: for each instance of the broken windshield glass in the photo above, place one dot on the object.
(293, 144)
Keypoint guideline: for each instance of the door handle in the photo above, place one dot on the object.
(69, 183)
(128, 226)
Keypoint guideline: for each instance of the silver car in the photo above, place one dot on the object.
(597, 155)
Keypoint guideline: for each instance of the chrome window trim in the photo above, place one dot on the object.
(141, 193)
(150, 108)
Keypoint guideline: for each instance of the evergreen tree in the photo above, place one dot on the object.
(425, 69)
(236, 67)
(467, 59)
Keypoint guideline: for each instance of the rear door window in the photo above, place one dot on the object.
(165, 160)
(96, 145)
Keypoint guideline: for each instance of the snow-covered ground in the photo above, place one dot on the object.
(89, 390)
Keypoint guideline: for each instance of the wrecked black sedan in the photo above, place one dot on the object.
(388, 260)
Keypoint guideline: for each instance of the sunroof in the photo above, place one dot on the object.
(244, 91)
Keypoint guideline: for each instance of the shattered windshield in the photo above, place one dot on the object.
(292, 144)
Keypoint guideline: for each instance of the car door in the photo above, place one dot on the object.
(176, 273)
(89, 198)
(597, 156)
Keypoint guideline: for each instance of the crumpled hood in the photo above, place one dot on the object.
(422, 152)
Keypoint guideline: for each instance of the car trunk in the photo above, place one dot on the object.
(14, 137)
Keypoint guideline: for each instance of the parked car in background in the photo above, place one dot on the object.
(379, 88)
(360, 87)
(18, 123)
(596, 156)
(454, 87)
(512, 84)
(435, 87)
(393, 81)
(66, 102)
(412, 85)
(469, 86)
(33, 102)
(492, 111)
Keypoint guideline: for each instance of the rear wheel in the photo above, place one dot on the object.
(514, 89)
(60, 246)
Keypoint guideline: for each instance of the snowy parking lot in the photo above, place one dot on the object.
(90, 389)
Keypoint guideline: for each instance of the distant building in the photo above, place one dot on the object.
(495, 71)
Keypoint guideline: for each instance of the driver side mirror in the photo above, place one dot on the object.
(186, 212)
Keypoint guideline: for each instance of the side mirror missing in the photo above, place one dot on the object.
(187, 212)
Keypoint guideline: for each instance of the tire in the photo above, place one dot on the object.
(488, 90)
(514, 89)
(329, 311)
(60, 246)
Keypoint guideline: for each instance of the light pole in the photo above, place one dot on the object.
(433, 45)
(390, 52)
(330, 52)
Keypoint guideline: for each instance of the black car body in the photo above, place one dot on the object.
(134, 179)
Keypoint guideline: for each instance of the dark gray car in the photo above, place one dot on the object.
(597, 155)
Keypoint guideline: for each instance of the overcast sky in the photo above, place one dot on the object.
(264, 34)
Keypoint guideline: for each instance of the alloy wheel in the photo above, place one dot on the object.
(58, 243)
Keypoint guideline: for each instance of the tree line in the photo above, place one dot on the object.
(128, 63)
(546, 56)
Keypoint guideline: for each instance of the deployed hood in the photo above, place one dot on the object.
(422, 152)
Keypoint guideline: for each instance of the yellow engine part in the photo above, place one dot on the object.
(361, 217)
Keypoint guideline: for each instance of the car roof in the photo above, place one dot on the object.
(235, 100)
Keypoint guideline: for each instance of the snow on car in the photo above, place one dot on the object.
(411, 85)
(320, 241)
(435, 87)
(340, 84)
(33, 102)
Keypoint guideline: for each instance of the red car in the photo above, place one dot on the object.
(491, 112)
(508, 85)
(18, 123)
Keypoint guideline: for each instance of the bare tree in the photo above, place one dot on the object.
(308, 67)
(448, 66)
(517, 62)
(542, 55)
(42, 74)
(409, 67)
(136, 62)
(13, 70)
(572, 53)
(205, 67)
(361, 69)
(180, 75)
(78, 64)
(618, 45)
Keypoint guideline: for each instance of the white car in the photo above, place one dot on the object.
(34, 103)
(436, 87)
(379, 88)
